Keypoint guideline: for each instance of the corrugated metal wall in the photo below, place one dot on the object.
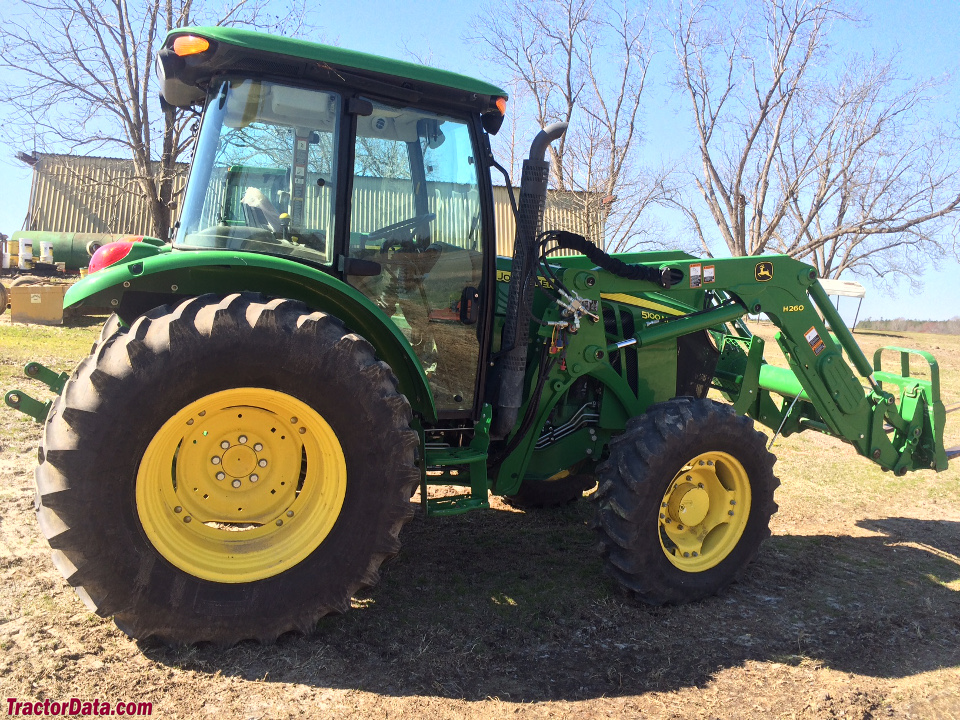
(560, 214)
(89, 195)
(92, 195)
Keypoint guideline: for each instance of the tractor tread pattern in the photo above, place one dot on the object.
(634, 477)
(84, 545)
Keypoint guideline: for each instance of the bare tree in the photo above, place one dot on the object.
(584, 62)
(84, 79)
(833, 163)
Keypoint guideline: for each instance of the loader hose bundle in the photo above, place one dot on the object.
(571, 241)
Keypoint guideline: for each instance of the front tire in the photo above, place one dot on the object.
(684, 500)
(226, 469)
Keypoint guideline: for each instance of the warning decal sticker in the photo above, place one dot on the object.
(709, 274)
(695, 273)
(815, 342)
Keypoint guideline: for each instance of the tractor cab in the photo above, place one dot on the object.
(381, 192)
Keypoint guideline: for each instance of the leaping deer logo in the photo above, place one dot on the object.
(764, 271)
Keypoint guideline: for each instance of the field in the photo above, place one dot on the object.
(852, 609)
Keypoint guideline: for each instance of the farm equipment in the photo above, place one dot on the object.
(330, 329)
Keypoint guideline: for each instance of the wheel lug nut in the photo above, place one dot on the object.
(258, 447)
(254, 477)
(733, 502)
(686, 554)
(662, 516)
(236, 483)
(225, 444)
(262, 463)
(178, 509)
(187, 519)
(696, 554)
(302, 430)
(242, 439)
(679, 527)
(289, 513)
(730, 513)
(215, 459)
(279, 523)
(221, 476)
(293, 421)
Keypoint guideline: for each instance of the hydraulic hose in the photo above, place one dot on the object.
(571, 241)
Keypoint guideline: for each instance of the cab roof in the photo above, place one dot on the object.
(404, 74)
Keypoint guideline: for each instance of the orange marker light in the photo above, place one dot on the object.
(502, 105)
(190, 45)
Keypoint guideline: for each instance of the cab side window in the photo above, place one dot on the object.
(416, 212)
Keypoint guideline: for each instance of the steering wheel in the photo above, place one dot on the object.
(408, 224)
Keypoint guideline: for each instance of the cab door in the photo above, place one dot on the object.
(416, 215)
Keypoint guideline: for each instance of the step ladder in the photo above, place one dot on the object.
(472, 459)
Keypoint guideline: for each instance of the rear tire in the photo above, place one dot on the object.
(111, 326)
(684, 501)
(128, 455)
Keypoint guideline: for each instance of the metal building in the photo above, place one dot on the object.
(74, 194)
(70, 193)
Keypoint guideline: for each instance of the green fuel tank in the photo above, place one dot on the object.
(72, 249)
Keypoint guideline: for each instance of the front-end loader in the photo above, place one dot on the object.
(329, 329)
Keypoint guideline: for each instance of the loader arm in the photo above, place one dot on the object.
(820, 390)
(828, 386)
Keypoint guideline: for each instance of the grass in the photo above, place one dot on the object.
(851, 609)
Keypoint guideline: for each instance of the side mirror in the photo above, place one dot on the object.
(491, 122)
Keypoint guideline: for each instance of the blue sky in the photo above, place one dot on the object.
(925, 32)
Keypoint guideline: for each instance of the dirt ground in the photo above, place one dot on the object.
(852, 609)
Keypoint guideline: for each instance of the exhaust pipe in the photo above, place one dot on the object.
(516, 328)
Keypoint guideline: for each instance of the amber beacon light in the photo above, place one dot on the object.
(190, 45)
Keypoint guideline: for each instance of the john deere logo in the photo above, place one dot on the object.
(764, 271)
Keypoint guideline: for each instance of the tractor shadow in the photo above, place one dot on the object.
(516, 606)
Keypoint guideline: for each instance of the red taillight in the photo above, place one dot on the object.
(108, 255)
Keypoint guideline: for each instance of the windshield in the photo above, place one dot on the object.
(264, 174)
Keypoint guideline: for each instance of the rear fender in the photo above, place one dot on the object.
(141, 284)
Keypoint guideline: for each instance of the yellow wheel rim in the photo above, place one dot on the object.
(241, 485)
(704, 511)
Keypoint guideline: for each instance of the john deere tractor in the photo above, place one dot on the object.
(330, 329)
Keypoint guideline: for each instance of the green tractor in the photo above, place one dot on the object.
(330, 330)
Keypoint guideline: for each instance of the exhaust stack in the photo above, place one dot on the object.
(516, 329)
